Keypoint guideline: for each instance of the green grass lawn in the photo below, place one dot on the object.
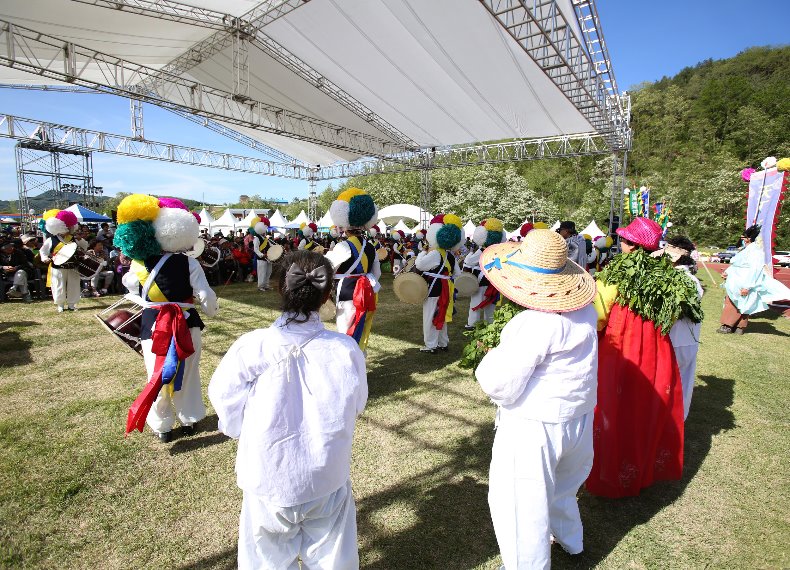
(75, 494)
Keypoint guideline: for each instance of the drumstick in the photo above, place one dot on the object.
(226, 282)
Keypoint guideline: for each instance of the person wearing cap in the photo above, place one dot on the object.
(439, 268)
(749, 284)
(398, 250)
(685, 332)
(261, 242)
(542, 377)
(16, 269)
(577, 247)
(61, 225)
(357, 269)
(639, 416)
(484, 301)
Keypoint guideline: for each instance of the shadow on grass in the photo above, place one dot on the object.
(452, 525)
(607, 521)
(207, 436)
(225, 560)
(14, 350)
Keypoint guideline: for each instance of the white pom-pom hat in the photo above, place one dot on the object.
(176, 230)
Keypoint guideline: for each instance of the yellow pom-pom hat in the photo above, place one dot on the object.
(354, 208)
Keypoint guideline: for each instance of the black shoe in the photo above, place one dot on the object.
(468, 328)
(428, 350)
(188, 430)
(165, 436)
(443, 348)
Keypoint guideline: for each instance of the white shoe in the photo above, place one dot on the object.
(60, 309)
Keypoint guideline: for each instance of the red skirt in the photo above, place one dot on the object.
(638, 427)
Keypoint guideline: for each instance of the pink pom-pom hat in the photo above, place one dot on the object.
(68, 218)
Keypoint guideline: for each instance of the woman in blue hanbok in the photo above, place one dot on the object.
(749, 285)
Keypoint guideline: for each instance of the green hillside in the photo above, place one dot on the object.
(693, 133)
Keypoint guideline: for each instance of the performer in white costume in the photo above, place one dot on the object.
(543, 377)
(398, 250)
(64, 279)
(308, 232)
(155, 233)
(261, 242)
(483, 303)
(684, 333)
(357, 269)
(440, 268)
(290, 394)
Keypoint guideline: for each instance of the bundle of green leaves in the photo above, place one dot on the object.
(653, 288)
(485, 336)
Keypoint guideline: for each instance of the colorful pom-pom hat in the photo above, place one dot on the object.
(148, 225)
(60, 222)
(374, 230)
(308, 229)
(354, 208)
(526, 228)
(489, 232)
(537, 274)
(397, 235)
(445, 231)
(260, 225)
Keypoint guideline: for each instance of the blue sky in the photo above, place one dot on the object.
(646, 41)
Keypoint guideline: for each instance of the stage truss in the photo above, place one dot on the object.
(579, 67)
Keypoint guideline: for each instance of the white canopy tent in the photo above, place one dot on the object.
(325, 222)
(593, 230)
(414, 67)
(469, 229)
(277, 220)
(206, 219)
(391, 214)
(226, 222)
(401, 226)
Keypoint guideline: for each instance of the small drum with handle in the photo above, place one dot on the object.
(274, 252)
(124, 323)
(382, 253)
(63, 258)
(88, 265)
(466, 284)
(410, 286)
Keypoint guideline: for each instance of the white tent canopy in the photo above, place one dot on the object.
(593, 230)
(277, 220)
(401, 226)
(325, 222)
(205, 218)
(469, 229)
(406, 61)
(391, 214)
(227, 221)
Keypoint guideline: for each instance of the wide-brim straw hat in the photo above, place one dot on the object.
(537, 274)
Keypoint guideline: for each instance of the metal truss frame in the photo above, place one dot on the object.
(543, 32)
(247, 29)
(85, 140)
(202, 121)
(122, 77)
(43, 167)
(582, 144)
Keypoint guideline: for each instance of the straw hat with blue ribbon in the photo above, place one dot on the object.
(537, 274)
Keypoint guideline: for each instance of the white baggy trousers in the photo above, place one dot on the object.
(536, 471)
(186, 405)
(322, 532)
(264, 272)
(486, 313)
(687, 364)
(433, 337)
(65, 287)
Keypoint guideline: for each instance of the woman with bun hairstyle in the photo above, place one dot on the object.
(290, 394)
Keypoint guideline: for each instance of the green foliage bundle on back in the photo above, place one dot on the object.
(485, 336)
(653, 288)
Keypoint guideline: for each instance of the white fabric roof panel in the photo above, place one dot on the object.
(442, 72)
